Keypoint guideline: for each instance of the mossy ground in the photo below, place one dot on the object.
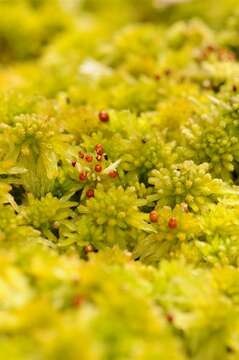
(119, 179)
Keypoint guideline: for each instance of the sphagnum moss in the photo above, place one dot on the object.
(119, 179)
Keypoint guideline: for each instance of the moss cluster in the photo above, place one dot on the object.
(119, 179)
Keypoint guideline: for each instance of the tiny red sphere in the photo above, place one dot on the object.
(99, 149)
(78, 300)
(88, 249)
(81, 154)
(169, 317)
(73, 163)
(168, 72)
(104, 116)
(83, 176)
(113, 173)
(210, 48)
(89, 158)
(153, 216)
(98, 168)
(90, 193)
(157, 77)
(172, 223)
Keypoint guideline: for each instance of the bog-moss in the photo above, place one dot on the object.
(119, 179)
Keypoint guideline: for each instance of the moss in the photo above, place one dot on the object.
(119, 174)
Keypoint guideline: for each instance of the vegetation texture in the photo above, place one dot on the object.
(119, 180)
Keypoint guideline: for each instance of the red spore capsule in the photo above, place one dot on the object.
(170, 318)
(81, 155)
(83, 176)
(89, 158)
(78, 300)
(73, 163)
(168, 72)
(172, 223)
(99, 149)
(153, 216)
(90, 193)
(113, 173)
(104, 116)
(98, 168)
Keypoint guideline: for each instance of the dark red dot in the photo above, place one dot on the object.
(168, 72)
(170, 318)
(89, 158)
(90, 193)
(99, 149)
(172, 223)
(83, 176)
(73, 163)
(98, 168)
(81, 154)
(78, 300)
(104, 116)
(153, 216)
(113, 173)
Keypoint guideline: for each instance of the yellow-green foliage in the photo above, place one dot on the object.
(119, 179)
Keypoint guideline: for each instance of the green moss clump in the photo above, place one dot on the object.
(119, 179)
